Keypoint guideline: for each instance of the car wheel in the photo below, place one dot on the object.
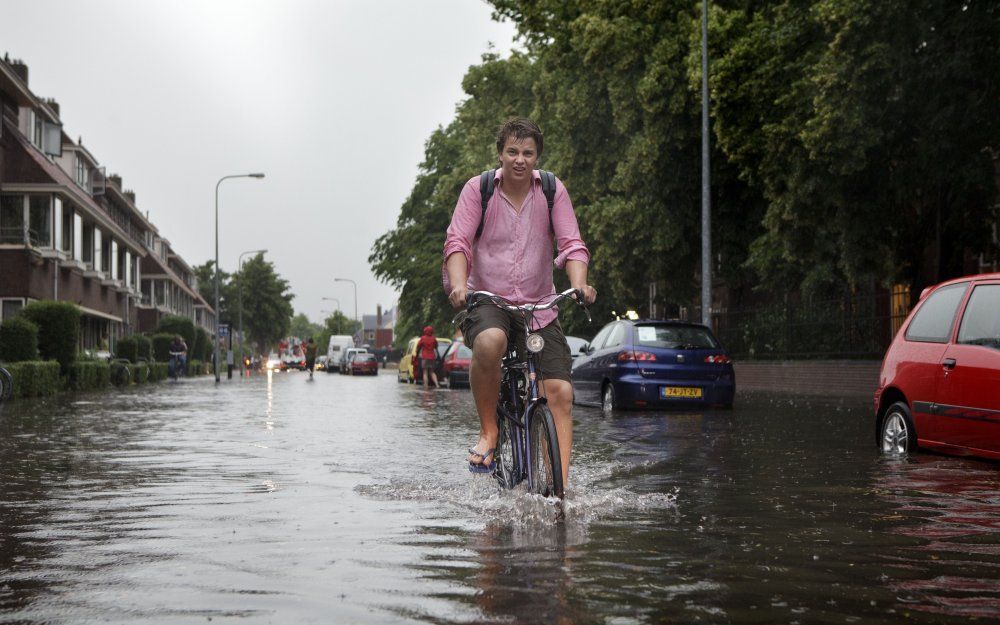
(897, 435)
(608, 402)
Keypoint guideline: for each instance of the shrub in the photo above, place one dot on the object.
(161, 347)
(18, 340)
(35, 378)
(58, 330)
(127, 348)
(175, 324)
(201, 343)
(89, 375)
(195, 367)
(157, 371)
(140, 373)
(144, 345)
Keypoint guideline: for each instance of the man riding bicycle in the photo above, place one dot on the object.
(513, 257)
(178, 353)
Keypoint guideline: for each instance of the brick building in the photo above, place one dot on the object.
(68, 232)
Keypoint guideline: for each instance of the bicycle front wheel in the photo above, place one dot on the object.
(545, 470)
(505, 472)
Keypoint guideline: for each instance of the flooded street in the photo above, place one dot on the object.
(347, 500)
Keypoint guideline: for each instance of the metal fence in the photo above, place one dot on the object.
(853, 326)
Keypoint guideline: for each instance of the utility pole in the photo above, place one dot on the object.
(706, 202)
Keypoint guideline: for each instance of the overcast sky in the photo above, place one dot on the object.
(333, 100)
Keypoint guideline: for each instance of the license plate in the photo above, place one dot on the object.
(680, 391)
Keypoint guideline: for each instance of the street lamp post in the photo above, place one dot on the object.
(240, 290)
(334, 299)
(217, 311)
(706, 198)
(355, 294)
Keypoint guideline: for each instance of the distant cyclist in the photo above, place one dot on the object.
(178, 355)
(513, 257)
(310, 356)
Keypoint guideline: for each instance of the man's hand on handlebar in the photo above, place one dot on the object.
(589, 294)
(457, 297)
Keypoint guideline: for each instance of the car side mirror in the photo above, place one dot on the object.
(585, 349)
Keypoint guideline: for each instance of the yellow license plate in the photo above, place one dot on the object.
(680, 391)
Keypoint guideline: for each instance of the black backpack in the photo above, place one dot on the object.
(486, 180)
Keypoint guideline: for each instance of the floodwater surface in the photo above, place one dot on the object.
(346, 500)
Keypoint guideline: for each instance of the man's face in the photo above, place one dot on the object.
(518, 159)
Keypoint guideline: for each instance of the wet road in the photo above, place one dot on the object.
(276, 500)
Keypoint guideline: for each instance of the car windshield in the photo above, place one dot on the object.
(364, 358)
(674, 337)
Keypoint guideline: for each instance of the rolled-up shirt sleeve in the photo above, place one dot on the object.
(462, 230)
(567, 230)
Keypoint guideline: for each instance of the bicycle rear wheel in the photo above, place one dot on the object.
(6, 384)
(543, 442)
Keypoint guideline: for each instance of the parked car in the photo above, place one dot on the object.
(320, 363)
(650, 363)
(346, 356)
(364, 363)
(335, 347)
(456, 362)
(418, 371)
(577, 346)
(405, 371)
(938, 386)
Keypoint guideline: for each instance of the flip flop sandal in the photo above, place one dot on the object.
(480, 467)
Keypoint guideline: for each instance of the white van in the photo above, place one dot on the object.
(335, 349)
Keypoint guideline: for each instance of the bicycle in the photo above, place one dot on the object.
(175, 367)
(121, 375)
(528, 444)
(6, 384)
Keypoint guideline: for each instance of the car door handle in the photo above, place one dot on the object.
(949, 363)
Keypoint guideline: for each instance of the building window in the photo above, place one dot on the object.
(40, 220)
(66, 240)
(82, 173)
(11, 219)
(87, 253)
(10, 308)
(106, 254)
(37, 129)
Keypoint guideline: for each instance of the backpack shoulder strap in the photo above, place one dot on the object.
(549, 189)
(486, 180)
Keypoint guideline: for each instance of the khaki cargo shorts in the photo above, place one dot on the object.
(554, 361)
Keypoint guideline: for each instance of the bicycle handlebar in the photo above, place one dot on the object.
(475, 298)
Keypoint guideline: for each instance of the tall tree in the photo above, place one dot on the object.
(267, 302)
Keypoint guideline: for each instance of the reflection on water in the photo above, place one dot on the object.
(270, 499)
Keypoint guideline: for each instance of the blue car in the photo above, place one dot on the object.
(650, 363)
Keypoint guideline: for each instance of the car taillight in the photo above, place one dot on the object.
(721, 359)
(636, 357)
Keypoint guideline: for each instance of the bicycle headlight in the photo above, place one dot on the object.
(535, 343)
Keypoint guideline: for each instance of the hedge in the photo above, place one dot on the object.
(127, 348)
(175, 324)
(88, 375)
(140, 372)
(144, 346)
(157, 371)
(202, 343)
(195, 367)
(58, 330)
(161, 347)
(35, 378)
(18, 340)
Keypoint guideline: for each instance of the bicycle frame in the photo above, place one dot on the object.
(512, 362)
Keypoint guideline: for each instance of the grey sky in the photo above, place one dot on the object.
(332, 100)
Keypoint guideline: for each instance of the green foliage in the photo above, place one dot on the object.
(854, 143)
(35, 378)
(18, 340)
(176, 324)
(88, 375)
(144, 347)
(58, 330)
(267, 302)
(202, 342)
(158, 371)
(301, 327)
(127, 348)
(121, 374)
(140, 373)
(197, 367)
(161, 346)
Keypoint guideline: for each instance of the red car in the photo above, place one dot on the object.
(939, 387)
(457, 361)
(364, 363)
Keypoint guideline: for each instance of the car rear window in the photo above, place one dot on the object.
(364, 358)
(933, 322)
(464, 352)
(981, 322)
(674, 337)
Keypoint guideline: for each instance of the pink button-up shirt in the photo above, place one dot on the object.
(514, 257)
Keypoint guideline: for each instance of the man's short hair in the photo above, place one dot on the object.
(519, 128)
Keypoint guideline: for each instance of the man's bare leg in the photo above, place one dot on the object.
(560, 400)
(484, 377)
